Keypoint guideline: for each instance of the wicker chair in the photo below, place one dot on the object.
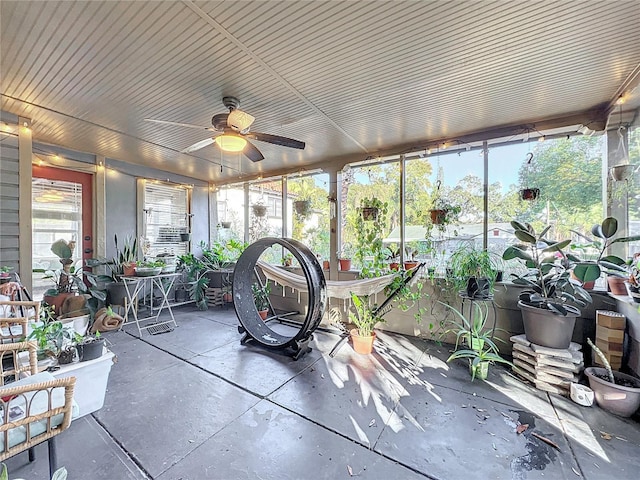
(35, 408)
(14, 317)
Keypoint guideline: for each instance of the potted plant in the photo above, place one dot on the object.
(613, 266)
(473, 271)
(365, 317)
(481, 349)
(442, 212)
(616, 392)
(259, 209)
(549, 304)
(89, 347)
(302, 207)
(411, 259)
(287, 260)
(633, 284)
(197, 281)
(261, 299)
(393, 256)
(53, 339)
(344, 258)
(370, 208)
(5, 272)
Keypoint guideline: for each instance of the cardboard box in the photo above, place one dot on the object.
(608, 319)
(609, 334)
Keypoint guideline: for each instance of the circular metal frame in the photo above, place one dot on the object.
(245, 306)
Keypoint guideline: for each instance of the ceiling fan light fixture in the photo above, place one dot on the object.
(231, 143)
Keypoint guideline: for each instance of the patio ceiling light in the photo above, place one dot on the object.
(231, 143)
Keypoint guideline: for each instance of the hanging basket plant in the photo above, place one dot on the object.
(259, 210)
(302, 207)
(369, 213)
(529, 194)
(438, 216)
(622, 173)
(370, 209)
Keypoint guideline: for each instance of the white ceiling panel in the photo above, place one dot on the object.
(351, 79)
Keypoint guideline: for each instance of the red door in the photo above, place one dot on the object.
(62, 208)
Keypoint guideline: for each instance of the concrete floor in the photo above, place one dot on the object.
(194, 404)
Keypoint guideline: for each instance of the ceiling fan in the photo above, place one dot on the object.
(232, 133)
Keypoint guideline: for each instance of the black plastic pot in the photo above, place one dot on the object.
(66, 356)
(478, 287)
(185, 237)
(91, 350)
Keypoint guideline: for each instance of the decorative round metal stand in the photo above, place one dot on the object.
(253, 327)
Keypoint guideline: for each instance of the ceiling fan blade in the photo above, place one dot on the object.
(252, 153)
(190, 125)
(198, 145)
(276, 140)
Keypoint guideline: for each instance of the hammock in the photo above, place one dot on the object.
(335, 289)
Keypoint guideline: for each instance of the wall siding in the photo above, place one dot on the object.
(9, 195)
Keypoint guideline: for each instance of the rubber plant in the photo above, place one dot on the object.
(610, 264)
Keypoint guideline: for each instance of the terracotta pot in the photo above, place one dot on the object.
(227, 297)
(438, 216)
(263, 314)
(394, 266)
(616, 285)
(363, 345)
(129, 269)
(345, 264)
(56, 301)
(617, 399)
(409, 265)
(585, 285)
(326, 265)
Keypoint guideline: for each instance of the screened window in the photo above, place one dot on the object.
(309, 212)
(166, 219)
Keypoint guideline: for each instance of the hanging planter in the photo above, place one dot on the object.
(259, 210)
(302, 207)
(438, 216)
(529, 193)
(621, 173)
(369, 213)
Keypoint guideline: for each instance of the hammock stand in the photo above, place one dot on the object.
(336, 289)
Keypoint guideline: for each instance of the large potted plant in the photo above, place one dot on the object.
(550, 302)
(612, 265)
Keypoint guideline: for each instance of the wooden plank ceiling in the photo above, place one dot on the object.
(351, 79)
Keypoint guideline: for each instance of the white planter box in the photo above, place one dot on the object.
(91, 381)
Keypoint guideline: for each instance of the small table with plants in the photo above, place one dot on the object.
(137, 288)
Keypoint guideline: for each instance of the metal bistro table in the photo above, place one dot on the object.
(138, 287)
